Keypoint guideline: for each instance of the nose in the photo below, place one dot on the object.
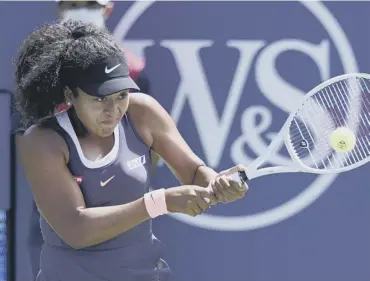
(110, 107)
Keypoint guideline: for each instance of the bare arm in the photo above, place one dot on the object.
(59, 198)
(160, 132)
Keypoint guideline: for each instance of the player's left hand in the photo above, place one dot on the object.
(225, 188)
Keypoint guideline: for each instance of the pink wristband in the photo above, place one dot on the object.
(155, 203)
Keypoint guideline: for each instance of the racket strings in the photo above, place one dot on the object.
(358, 121)
(344, 103)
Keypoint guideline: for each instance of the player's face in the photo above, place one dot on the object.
(101, 115)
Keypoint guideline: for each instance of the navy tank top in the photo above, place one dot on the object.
(120, 177)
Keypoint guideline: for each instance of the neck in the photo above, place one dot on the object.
(78, 126)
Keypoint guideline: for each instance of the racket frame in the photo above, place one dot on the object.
(252, 170)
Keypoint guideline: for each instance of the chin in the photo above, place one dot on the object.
(106, 132)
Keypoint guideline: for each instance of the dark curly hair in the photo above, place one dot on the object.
(46, 54)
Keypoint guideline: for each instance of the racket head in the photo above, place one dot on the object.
(340, 102)
(335, 108)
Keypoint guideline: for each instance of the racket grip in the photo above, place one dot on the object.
(240, 176)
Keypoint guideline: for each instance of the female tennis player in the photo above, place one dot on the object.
(88, 167)
(95, 12)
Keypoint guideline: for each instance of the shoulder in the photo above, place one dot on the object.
(148, 116)
(39, 141)
(141, 101)
(146, 108)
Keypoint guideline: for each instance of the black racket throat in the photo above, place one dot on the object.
(243, 176)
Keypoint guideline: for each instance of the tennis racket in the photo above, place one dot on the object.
(328, 133)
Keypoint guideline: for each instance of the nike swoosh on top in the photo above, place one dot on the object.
(109, 70)
(102, 184)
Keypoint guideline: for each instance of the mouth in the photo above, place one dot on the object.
(110, 122)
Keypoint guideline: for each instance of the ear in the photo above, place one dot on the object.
(108, 10)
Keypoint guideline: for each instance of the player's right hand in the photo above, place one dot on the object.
(225, 188)
(189, 199)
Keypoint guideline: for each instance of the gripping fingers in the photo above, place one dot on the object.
(217, 191)
(211, 195)
(238, 189)
(196, 209)
(191, 212)
(203, 203)
(229, 185)
(223, 188)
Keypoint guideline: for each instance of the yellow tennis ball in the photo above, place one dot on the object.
(342, 139)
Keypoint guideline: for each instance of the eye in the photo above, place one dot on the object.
(100, 99)
(123, 95)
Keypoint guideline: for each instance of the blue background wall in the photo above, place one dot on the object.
(229, 73)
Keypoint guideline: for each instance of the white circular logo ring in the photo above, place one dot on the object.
(317, 187)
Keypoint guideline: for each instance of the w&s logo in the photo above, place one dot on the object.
(239, 76)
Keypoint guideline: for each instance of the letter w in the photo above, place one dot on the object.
(194, 87)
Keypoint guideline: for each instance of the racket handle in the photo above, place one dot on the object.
(241, 177)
